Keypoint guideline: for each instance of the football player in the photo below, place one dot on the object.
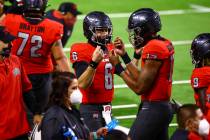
(37, 38)
(93, 69)
(200, 79)
(66, 15)
(154, 81)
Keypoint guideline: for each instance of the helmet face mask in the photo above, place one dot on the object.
(34, 10)
(97, 28)
(101, 35)
(135, 37)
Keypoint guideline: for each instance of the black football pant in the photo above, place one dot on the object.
(92, 114)
(41, 88)
(152, 121)
(22, 137)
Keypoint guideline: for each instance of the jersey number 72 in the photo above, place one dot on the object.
(35, 39)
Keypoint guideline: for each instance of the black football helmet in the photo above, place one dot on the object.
(200, 48)
(96, 21)
(142, 24)
(33, 9)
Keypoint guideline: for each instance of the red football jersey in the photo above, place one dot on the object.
(164, 51)
(201, 79)
(13, 82)
(34, 42)
(102, 88)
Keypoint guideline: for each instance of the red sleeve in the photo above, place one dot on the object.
(156, 50)
(26, 84)
(80, 52)
(59, 32)
(10, 23)
(199, 79)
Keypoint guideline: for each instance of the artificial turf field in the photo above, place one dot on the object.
(182, 20)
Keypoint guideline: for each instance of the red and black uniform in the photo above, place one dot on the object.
(155, 111)
(161, 51)
(34, 42)
(33, 46)
(13, 83)
(101, 90)
(201, 79)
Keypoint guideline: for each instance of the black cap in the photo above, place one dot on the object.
(5, 36)
(69, 7)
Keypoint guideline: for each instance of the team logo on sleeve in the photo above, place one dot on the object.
(151, 56)
(16, 71)
(74, 56)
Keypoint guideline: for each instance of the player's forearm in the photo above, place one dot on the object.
(63, 64)
(133, 70)
(132, 84)
(140, 84)
(85, 80)
(202, 99)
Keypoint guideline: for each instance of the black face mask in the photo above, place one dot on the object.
(6, 51)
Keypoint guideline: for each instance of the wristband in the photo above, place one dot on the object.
(93, 64)
(136, 56)
(119, 69)
(95, 137)
(126, 58)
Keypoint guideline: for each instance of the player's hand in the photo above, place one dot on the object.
(37, 118)
(113, 58)
(138, 50)
(119, 46)
(98, 55)
(101, 132)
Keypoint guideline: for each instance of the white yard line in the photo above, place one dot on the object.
(175, 43)
(174, 82)
(195, 9)
(134, 116)
(124, 106)
(125, 117)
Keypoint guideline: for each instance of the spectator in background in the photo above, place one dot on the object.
(14, 89)
(191, 124)
(62, 115)
(66, 15)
